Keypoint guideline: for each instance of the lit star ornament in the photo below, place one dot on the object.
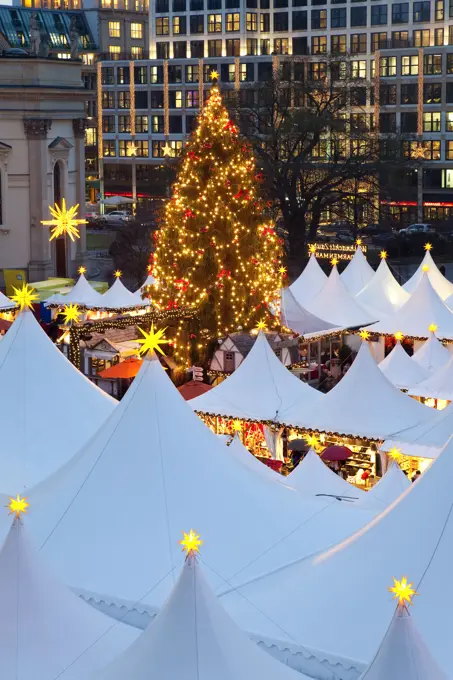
(118, 274)
(82, 270)
(237, 425)
(25, 296)
(359, 242)
(71, 313)
(365, 335)
(152, 341)
(64, 221)
(395, 454)
(17, 506)
(432, 327)
(282, 270)
(425, 268)
(166, 150)
(261, 326)
(399, 336)
(312, 249)
(383, 254)
(191, 543)
(214, 75)
(334, 261)
(428, 246)
(403, 591)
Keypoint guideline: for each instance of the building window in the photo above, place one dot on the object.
(431, 122)
(280, 21)
(300, 21)
(157, 124)
(114, 52)
(108, 147)
(180, 49)
(233, 22)
(158, 148)
(156, 75)
(265, 25)
(409, 94)
(137, 52)
(281, 45)
(378, 41)
(432, 64)
(400, 39)
(108, 100)
(387, 95)
(124, 124)
(124, 100)
(252, 47)
(265, 46)
(379, 15)
(114, 29)
(422, 11)
(108, 77)
(439, 10)
(108, 124)
(192, 101)
(387, 67)
(123, 75)
(175, 99)
(409, 65)
(338, 17)
(251, 21)
(162, 26)
(136, 31)
(162, 6)
(409, 122)
(421, 38)
(319, 18)
(317, 70)
(179, 6)
(162, 50)
(432, 93)
(233, 48)
(449, 151)
(358, 96)
(179, 25)
(400, 13)
(214, 23)
(358, 69)
(197, 23)
(141, 124)
(438, 37)
(358, 43)
(319, 44)
(358, 16)
(214, 48)
(140, 75)
(197, 49)
(449, 121)
(192, 74)
(338, 44)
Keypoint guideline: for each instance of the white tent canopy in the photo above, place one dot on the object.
(298, 319)
(363, 404)
(438, 385)
(401, 370)
(150, 281)
(48, 409)
(388, 489)
(118, 200)
(119, 297)
(313, 477)
(383, 293)
(237, 449)
(82, 294)
(193, 638)
(358, 273)
(432, 355)
(414, 318)
(46, 631)
(6, 303)
(309, 283)
(442, 286)
(259, 389)
(425, 440)
(335, 304)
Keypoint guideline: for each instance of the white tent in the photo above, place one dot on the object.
(383, 293)
(313, 477)
(295, 317)
(151, 467)
(438, 385)
(119, 297)
(414, 536)
(403, 653)
(335, 304)
(442, 286)
(414, 318)
(46, 631)
(150, 281)
(82, 294)
(425, 440)
(237, 449)
(259, 389)
(193, 638)
(363, 404)
(6, 304)
(401, 370)
(48, 409)
(358, 273)
(432, 355)
(309, 283)
(388, 489)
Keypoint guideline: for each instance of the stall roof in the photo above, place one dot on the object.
(442, 286)
(237, 449)
(82, 294)
(432, 354)
(312, 476)
(390, 487)
(425, 440)
(383, 293)
(119, 297)
(298, 319)
(401, 370)
(439, 385)
(309, 283)
(5, 303)
(358, 273)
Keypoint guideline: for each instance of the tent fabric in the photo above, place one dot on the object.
(414, 318)
(403, 653)
(46, 630)
(399, 368)
(438, 385)
(124, 369)
(358, 273)
(295, 317)
(150, 281)
(312, 476)
(119, 297)
(383, 293)
(337, 305)
(363, 404)
(48, 408)
(148, 469)
(390, 487)
(432, 355)
(237, 449)
(82, 294)
(6, 303)
(413, 536)
(309, 283)
(259, 389)
(193, 638)
(442, 286)
(193, 389)
(426, 440)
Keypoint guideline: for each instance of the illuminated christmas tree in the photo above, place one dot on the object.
(216, 251)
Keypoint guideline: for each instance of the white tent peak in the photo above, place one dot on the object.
(295, 317)
(312, 476)
(82, 293)
(358, 273)
(442, 286)
(193, 638)
(119, 297)
(383, 293)
(401, 370)
(432, 355)
(309, 282)
(438, 385)
(6, 303)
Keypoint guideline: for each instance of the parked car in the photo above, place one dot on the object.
(419, 228)
(116, 218)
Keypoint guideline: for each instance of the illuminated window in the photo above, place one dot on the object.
(449, 151)
(233, 22)
(358, 69)
(114, 29)
(281, 45)
(192, 74)
(108, 100)
(251, 21)
(233, 48)
(192, 101)
(90, 137)
(136, 31)
(252, 47)
(409, 65)
(214, 23)
(158, 148)
(137, 52)
(114, 51)
(319, 44)
(124, 124)
(421, 38)
(63, 55)
(449, 121)
(88, 59)
(124, 100)
(388, 66)
(162, 26)
(108, 147)
(338, 44)
(141, 124)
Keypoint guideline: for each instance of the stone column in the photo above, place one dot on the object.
(40, 266)
(79, 125)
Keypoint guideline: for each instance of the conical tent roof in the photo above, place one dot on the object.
(46, 631)
(313, 477)
(119, 297)
(309, 283)
(259, 389)
(401, 370)
(403, 653)
(383, 293)
(48, 409)
(442, 286)
(193, 638)
(438, 385)
(82, 294)
(151, 466)
(237, 449)
(390, 487)
(364, 403)
(425, 440)
(414, 318)
(6, 303)
(294, 316)
(358, 273)
(432, 355)
(413, 536)
(337, 305)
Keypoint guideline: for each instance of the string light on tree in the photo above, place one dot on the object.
(191, 543)
(65, 221)
(152, 341)
(24, 297)
(18, 506)
(403, 591)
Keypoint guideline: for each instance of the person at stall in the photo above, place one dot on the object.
(417, 475)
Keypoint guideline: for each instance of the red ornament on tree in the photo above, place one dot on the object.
(231, 126)
(189, 213)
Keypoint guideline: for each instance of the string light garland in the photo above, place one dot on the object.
(99, 110)
(166, 101)
(377, 91)
(200, 84)
(420, 85)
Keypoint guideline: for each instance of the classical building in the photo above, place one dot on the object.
(42, 129)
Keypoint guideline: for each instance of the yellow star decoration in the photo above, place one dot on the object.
(82, 270)
(432, 327)
(166, 150)
(191, 542)
(403, 591)
(17, 506)
(25, 296)
(64, 221)
(334, 261)
(261, 326)
(312, 249)
(383, 254)
(214, 75)
(395, 454)
(118, 273)
(71, 313)
(399, 336)
(282, 270)
(152, 340)
(365, 335)
(425, 268)
(312, 441)
(359, 242)
(237, 425)
(428, 246)
(149, 268)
